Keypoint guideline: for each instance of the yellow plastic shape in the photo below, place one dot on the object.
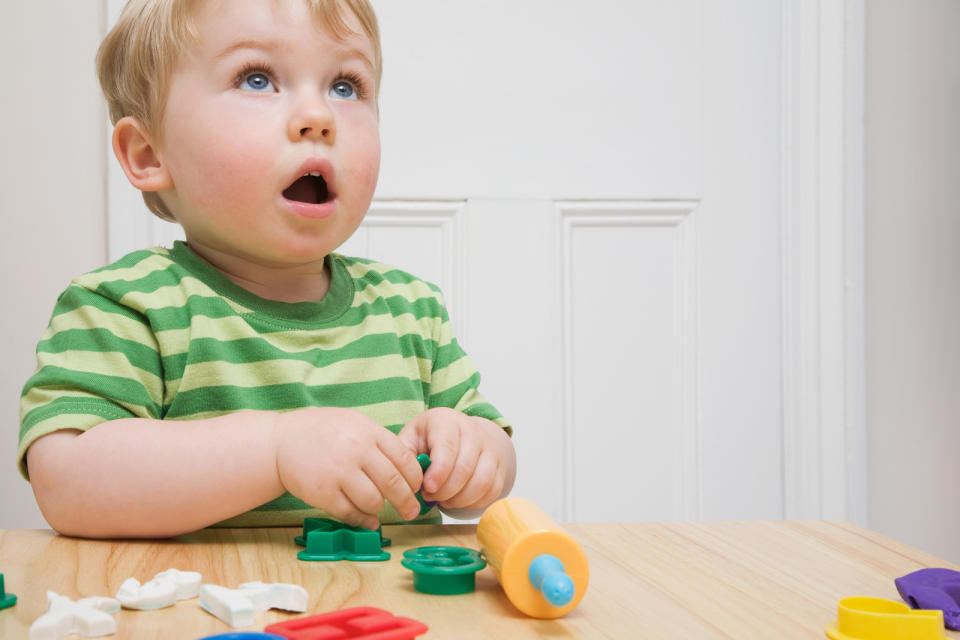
(863, 618)
(512, 532)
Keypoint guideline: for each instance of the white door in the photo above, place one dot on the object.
(607, 193)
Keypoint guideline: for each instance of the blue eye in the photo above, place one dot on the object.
(343, 90)
(256, 82)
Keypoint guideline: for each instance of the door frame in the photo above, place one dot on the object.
(824, 364)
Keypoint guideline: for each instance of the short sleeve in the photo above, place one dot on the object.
(455, 381)
(98, 360)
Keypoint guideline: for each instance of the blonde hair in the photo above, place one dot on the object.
(137, 57)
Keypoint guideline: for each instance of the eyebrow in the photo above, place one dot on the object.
(353, 52)
(271, 46)
(265, 45)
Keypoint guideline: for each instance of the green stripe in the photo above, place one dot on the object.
(148, 283)
(447, 355)
(379, 285)
(482, 410)
(280, 397)
(77, 297)
(250, 350)
(278, 372)
(377, 273)
(124, 391)
(420, 308)
(77, 406)
(167, 318)
(396, 276)
(174, 365)
(451, 396)
(102, 340)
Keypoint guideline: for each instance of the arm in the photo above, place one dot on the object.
(137, 477)
(473, 462)
(152, 478)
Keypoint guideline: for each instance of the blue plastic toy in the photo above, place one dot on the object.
(548, 576)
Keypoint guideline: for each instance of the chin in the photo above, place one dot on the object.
(303, 252)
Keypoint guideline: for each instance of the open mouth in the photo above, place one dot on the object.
(310, 188)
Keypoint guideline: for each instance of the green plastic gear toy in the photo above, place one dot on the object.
(443, 570)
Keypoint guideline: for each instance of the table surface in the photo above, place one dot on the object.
(763, 579)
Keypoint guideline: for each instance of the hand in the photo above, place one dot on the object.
(343, 462)
(472, 461)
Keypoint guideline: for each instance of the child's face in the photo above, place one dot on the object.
(266, 96)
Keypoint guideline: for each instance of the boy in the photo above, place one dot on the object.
(245, 377)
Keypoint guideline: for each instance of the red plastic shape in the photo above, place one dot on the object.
(366, 623)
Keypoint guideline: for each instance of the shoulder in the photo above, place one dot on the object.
(105, 306)
(145, 281)
(144, 270)
(374, 279)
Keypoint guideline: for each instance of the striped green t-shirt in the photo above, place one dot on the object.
(162, 334)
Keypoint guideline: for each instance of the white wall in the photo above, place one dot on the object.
(51, 194)
(913, 271)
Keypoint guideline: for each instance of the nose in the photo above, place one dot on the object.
(312, 120)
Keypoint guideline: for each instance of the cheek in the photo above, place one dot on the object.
(365, 165)
(233, 174)
(219, 172)
(213, 148)
(369, 171)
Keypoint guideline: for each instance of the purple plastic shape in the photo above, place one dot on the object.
(933, 589)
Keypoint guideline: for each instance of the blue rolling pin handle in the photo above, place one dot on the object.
(548, 576)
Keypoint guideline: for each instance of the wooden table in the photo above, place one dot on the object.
(688, 580)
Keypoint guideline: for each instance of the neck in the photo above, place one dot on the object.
(307, 282)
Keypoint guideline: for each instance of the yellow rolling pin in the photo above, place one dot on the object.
(542, 569)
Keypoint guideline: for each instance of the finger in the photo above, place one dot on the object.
(364, 495)
(478, 484)
(463, 469)
(444, 449)
(392, 485)
(411, 435)
(495, 491)
(402, 459)
(341, 508)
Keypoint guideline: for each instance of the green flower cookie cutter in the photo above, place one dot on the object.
(443, 570)
(329, 540)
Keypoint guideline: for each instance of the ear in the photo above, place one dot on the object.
(139, 157)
